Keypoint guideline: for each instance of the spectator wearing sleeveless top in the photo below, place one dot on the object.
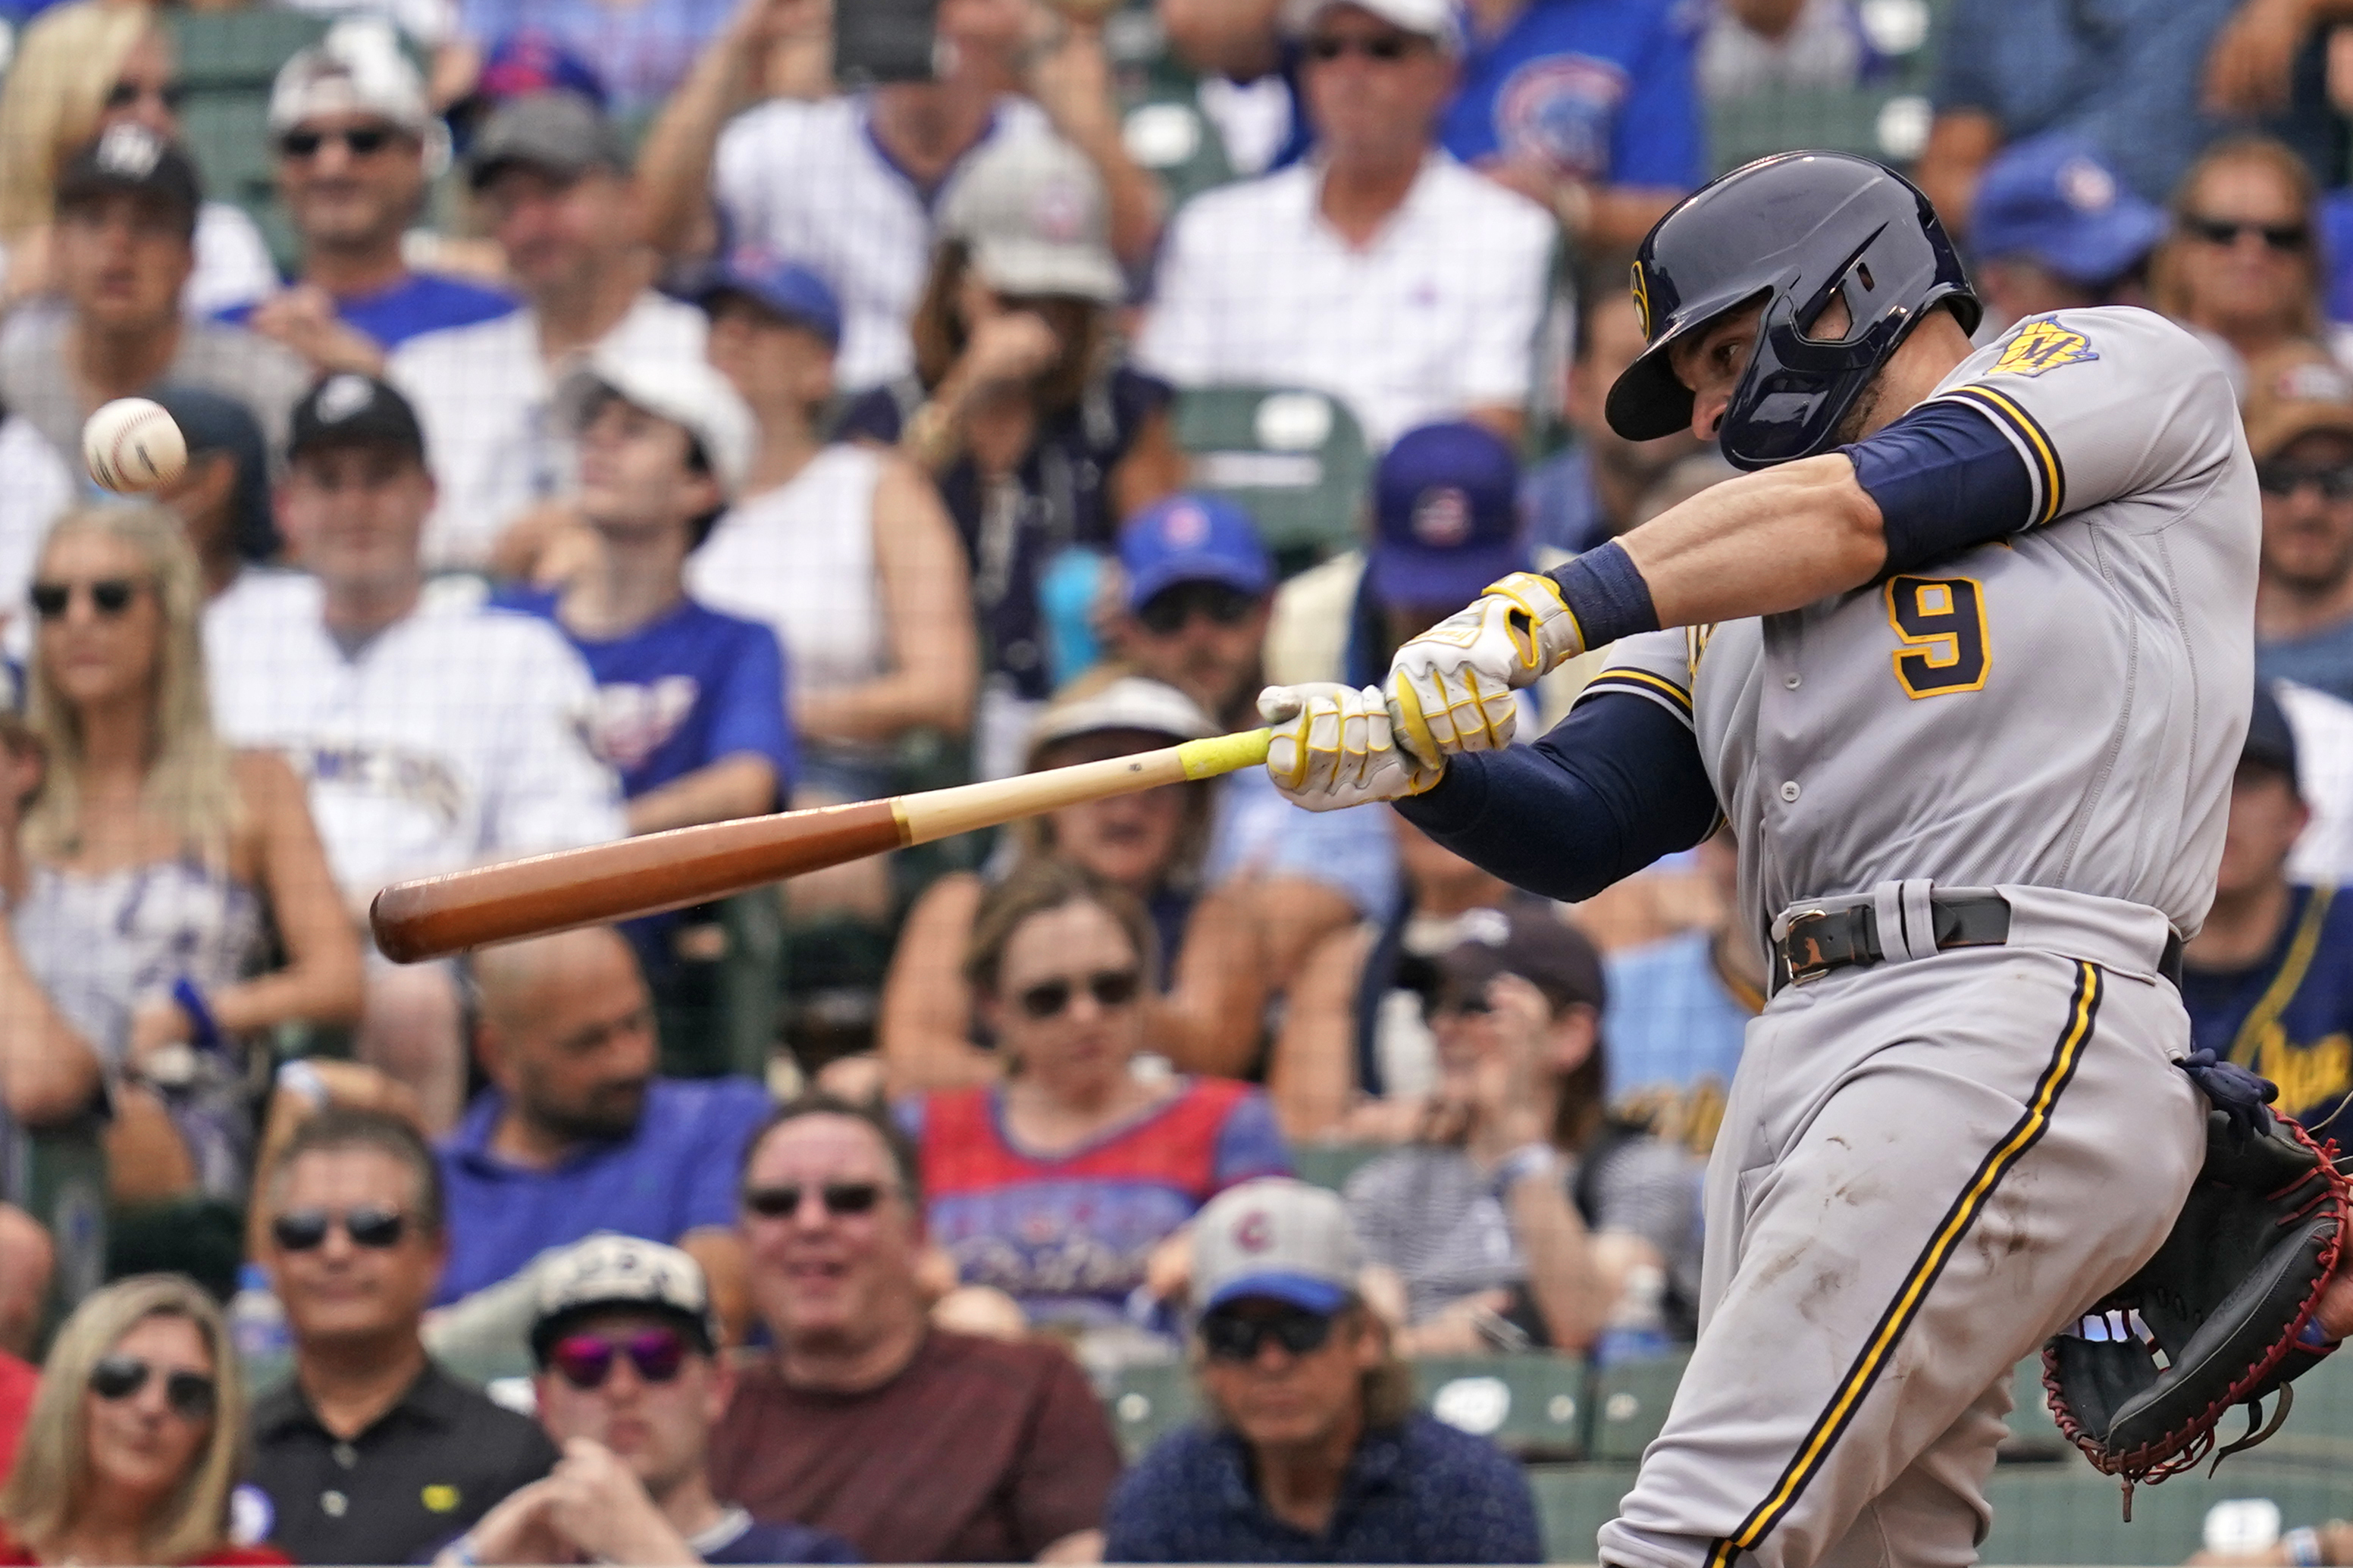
(149, 870)
(1064, 1185)
(844, 552)
(1041, 438)
(1203, 1013)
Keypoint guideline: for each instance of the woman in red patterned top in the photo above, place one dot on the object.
(1060, 1186)
(134, 1438)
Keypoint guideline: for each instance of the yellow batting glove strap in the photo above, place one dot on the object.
(1551, 636)
(1410, 727)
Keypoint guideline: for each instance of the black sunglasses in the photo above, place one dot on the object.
(1171, 609)
(2335, 482)
(110, 596)
(834, 1197)
(1388, 48)
(1109, 987)
(369, 1225)
(2285, 238)
(363, 141)
(1231, 1336)
(585, 1361)
(171, 95)
(191, 1394)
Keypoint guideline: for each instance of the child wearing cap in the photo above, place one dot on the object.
(690, 702)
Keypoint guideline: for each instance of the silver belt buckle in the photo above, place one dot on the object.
(1815, 966)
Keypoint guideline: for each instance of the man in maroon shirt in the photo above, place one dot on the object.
(916, 1444)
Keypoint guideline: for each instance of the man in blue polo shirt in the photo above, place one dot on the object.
(1586, 106)
(1317, 1454)
(577, 1134)
(357, 147)
(690, 702)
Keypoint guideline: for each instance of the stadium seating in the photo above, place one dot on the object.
(228, 59)
(60, 1181)
(1296, 458)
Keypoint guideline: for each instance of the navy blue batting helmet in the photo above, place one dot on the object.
(1790, 231)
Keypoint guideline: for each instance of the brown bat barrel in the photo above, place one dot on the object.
(634, 877)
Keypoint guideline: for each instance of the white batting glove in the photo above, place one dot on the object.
(1332, 749)
(1450, 690)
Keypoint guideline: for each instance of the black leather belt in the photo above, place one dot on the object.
(1820, 941)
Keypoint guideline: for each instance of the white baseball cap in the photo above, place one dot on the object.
(357, 68)
(607, 1270)
(686, 391)
(1130, 703)
(1276, 1238)
(1032, 209)
(1434, 19)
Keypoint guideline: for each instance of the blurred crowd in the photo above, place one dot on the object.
(605, 418)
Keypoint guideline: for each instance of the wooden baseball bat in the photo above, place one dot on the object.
(436, 916)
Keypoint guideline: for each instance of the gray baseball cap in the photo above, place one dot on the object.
(561, 133)
(1033, 211)
(1279, 1238)
(608, 1271)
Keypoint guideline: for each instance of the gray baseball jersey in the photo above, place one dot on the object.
(1929, 1164)
(2063, 709)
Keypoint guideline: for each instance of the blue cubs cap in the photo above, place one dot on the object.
(531, 61)
(2054, 200)
(784, 287)
(1277, 1238)
(1192, 538)
(1446, 516)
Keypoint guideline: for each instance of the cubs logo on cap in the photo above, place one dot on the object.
(1441, 518)
(1277, 1238)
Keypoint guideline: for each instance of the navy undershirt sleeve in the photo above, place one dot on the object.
(1616, 784)
(1945, 479)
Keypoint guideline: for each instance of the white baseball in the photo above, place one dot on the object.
(132, 445)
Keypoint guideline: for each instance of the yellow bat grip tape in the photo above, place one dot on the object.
(1224, 753)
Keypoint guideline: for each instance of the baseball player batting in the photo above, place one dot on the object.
(1965, 661)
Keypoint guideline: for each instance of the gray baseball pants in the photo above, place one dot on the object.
(1926, 1167)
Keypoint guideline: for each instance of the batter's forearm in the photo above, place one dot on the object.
(1760, 544)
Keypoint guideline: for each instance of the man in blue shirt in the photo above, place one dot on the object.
(690, 702)
(1199, 589)
(577, 1133)
(2135, 78)
(1586, 106)
(1317, 1454)
(1590, 493)
(1678, 1015)
(2269, 981)
(2299, 425)
(357, 147)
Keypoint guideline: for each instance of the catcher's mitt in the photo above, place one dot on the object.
(2219, 1317)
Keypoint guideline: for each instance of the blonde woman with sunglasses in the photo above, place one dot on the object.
(154, 865)
(136, 1437)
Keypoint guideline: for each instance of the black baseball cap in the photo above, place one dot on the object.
(1526, 937)
(213, 422)
(349, 409)
(2271, 740)
(134, 159)
(560, 134)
